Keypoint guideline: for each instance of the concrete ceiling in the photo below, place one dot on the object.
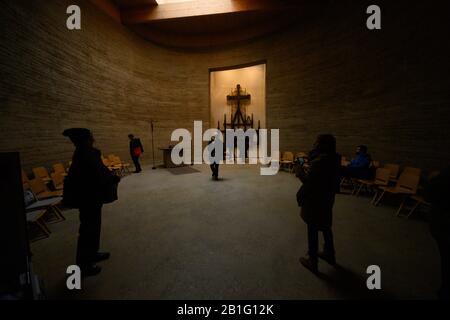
(207, 23)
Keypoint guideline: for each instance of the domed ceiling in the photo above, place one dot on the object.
(196, 24)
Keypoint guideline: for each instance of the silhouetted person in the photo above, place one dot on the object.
(316, 199)
(136, 150)
(359, 167)
(88, 185)
(314, 153)
(437, 193)
(214, 164)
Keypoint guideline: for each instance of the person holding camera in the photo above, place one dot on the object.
(316, 199)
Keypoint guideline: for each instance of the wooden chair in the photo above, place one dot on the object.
(394, 169)
(125, 165)
(111, 166)
(59, 168)
(381, 179)
(36, 218)
(41, 191)
(375, 164)
(407, 185)
(301, 154)
(50, 205)
(58, 180)
(287, 160)
(42, 173)
(418, 200)
(25, 180)
(344, 161)
(412, 170)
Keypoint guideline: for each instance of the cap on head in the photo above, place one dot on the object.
(78, 136)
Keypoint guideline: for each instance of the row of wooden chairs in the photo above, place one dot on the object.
(388, 181)
(43, 203)
(287, 159)
(115, 164)
(45, 191)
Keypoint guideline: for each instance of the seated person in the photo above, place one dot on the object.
(359, 167)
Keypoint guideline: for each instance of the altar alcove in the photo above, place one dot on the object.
(224, 98)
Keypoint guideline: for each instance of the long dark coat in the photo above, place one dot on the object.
(437, 193)
(135, 143)
(316, 195)
(89, 181)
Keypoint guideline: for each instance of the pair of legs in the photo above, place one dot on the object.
(328, 253)
(89, 235)
(215, 170)
(137, 165)
(313, 242)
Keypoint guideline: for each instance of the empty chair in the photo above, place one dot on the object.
(50, 205)
(301, 154)
(36, 218)
(41, 191)
(344, 161)
(125, 165)
(41, 173)
(394, 169)
(412, 170)
(381, 179)
(375, 164)
(407, 184)
(110, 165)
(59, 167)
(418, 200)
(58, 180)
(287, 160)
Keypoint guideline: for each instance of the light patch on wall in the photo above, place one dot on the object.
(222, 83)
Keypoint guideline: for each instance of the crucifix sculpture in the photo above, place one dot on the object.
(237, 119)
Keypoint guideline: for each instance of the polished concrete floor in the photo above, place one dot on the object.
(188, 237)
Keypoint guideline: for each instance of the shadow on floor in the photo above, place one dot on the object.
(350, 285)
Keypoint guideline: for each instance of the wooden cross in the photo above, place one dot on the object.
(238, 116)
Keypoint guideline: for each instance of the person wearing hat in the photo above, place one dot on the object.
(88, 185)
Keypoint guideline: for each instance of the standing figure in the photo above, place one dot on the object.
(88, 185)
(136, 150)
(437, 193)
(316, 199)
(214, 163)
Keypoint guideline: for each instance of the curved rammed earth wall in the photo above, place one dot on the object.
(388, 89)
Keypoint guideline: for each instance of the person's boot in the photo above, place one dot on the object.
(328, 257)
(310, 264)
(102, 256)
(91, 270)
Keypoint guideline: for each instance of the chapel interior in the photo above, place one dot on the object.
(149, 67)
